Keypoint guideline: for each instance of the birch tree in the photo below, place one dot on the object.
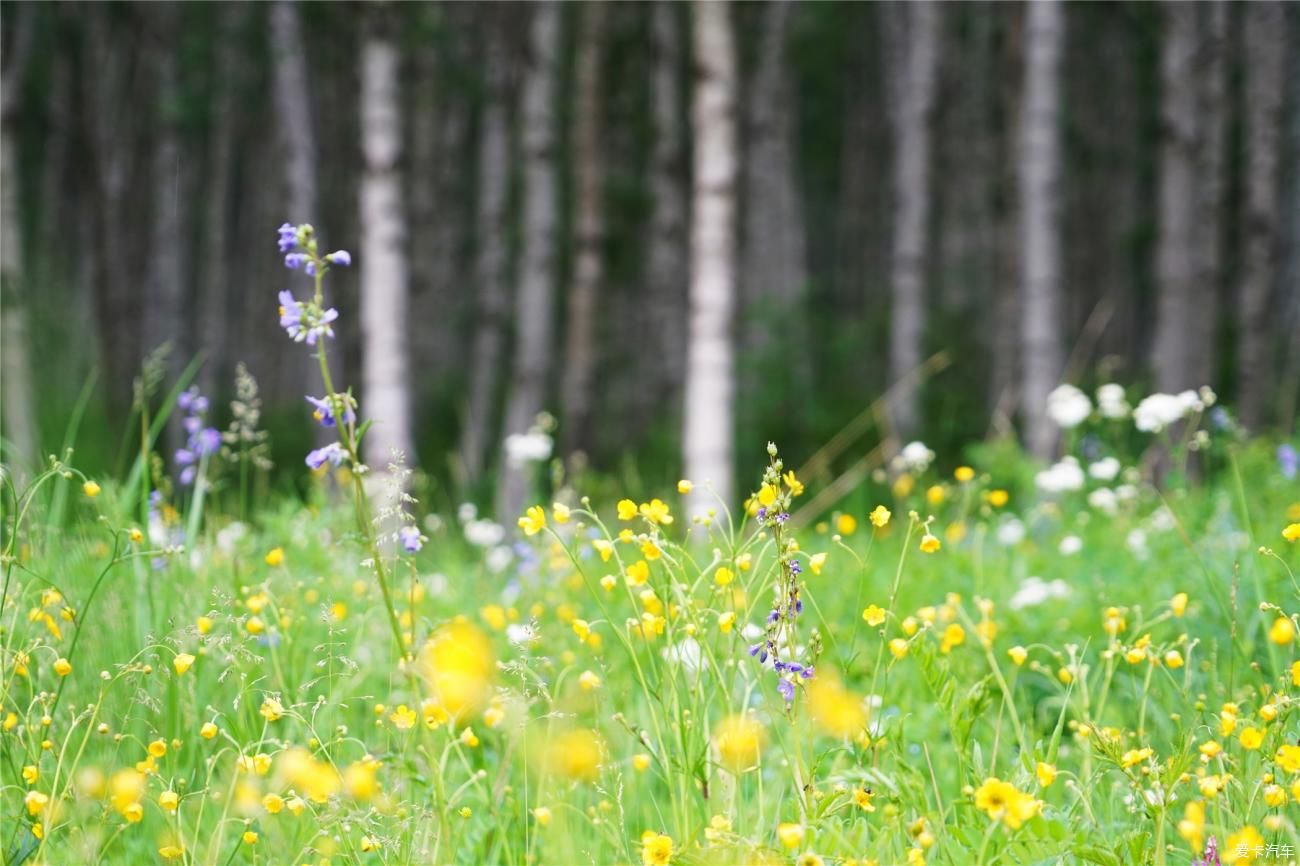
(1041, 352)
(710, 377)
(912, 32)
(491, 298)
(1190, 159)
(16, 405)
(667, 267)
(293, 111)
(589, 232)
(1265, 33)
(535, 301)
(385, 386)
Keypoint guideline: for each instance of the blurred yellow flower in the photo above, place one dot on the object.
(1178, 604)
(275, 557)
(879, 516)
(1046, 774)
(656, 849)
(626, 509)
(1001, 801)
(739, 741)
(1292, 532)
(929, 544)
(684, 487)
(816, 562)
(91, 489)
(1018, 655)
(835, 710)
(457, 664)
(846, 524)
(790, 835)
(963, 474)
(997, 498)
(1282, 631)
(576, 754)
(62, 667)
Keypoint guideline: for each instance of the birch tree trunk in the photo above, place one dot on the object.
(1042, 355)
(492, 301)
(1185, 303)
(17, 408)
(710, 377)
(293, 110)
(535, 301)
(385, 375)
(589, 233)
(1265, 34)
(773, 254)
(667, 259)
(913, 37)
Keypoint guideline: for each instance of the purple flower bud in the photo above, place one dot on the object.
(332, 452)
(795, 567)
(1287, 460)
(294, 261)
(753, 650)
(342, 258)
(410, 538)
(311, 269)
(786, 688)
(773, 617)
(288, 237)
(325, 412)
(808, 672)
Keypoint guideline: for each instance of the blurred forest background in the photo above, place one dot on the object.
(670, 225)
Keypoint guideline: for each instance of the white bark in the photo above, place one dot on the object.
(17, 409)
(710, 386)
(588, 263)
(492, 303)
(1042, 355)
(1265, 34)
(913, 36)
(384, 274)
(293, 111)
(535, 301)
(667, 267)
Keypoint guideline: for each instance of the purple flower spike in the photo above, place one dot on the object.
(288, 237)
